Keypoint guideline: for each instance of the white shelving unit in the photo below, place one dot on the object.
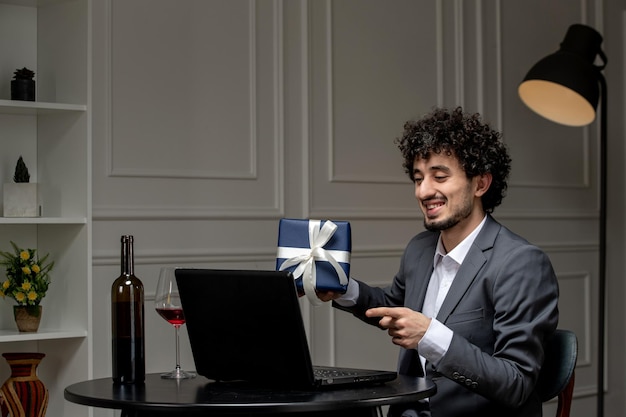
(53, 134)
(36, 108)
(42, 334)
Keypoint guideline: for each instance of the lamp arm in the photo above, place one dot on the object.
(603, 242)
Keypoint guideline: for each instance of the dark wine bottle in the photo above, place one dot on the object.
(127, 320)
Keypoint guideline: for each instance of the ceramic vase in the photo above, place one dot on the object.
(27, 318)
(23, 393)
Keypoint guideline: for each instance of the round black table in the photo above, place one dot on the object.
(203, 396)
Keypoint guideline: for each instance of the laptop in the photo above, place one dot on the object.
(246, 325)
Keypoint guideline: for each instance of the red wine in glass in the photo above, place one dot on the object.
(174, 316)
(167, 304)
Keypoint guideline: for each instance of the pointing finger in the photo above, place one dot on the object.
(384, 311)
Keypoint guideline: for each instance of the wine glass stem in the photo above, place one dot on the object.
(177, 347)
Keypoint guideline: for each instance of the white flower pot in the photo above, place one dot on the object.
(20, 200)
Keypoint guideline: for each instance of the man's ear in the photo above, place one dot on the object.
(483, 182)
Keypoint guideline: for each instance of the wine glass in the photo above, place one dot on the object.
(167, 304)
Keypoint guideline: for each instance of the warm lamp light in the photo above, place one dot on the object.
(564, 87)
(557, 103)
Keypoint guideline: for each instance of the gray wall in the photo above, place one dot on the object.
(214, 119)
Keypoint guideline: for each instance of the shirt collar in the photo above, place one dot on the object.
(460, 251)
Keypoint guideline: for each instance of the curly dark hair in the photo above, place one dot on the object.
(477, 146)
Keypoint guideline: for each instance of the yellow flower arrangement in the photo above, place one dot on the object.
(27, 276)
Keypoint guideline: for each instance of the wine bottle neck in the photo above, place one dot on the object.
(128, 257)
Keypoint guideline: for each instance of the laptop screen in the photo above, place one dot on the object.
(245, 325)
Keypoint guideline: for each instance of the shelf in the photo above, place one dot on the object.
(43, 220)
(37, 107)
(45, 334)
(54, 135)
(32, 3)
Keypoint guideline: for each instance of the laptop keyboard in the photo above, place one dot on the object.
(325, 373)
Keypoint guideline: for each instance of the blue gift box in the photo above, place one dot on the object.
(317, 252)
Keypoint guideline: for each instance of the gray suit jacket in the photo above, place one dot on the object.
(501, 307)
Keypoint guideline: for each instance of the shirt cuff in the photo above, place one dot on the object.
(351, 295)
(435, 342)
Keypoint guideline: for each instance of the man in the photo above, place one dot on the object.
(472, 302)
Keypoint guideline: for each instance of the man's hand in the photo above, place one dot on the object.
(405, 326)
(327, 295)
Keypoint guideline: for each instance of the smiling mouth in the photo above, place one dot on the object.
(432, 207)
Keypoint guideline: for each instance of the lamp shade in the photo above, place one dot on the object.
(563, 87)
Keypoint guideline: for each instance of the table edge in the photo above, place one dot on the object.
(279, 407)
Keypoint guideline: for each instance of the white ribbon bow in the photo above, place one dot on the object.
(305, 258)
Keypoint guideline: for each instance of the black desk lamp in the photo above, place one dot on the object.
(564, 87)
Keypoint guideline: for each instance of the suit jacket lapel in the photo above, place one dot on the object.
(415, 299)
(473, 262)
(408, 360)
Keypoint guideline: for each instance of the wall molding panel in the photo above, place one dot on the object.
(257, 167)
(187, 213)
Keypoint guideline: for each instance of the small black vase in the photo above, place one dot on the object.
(23, 90)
